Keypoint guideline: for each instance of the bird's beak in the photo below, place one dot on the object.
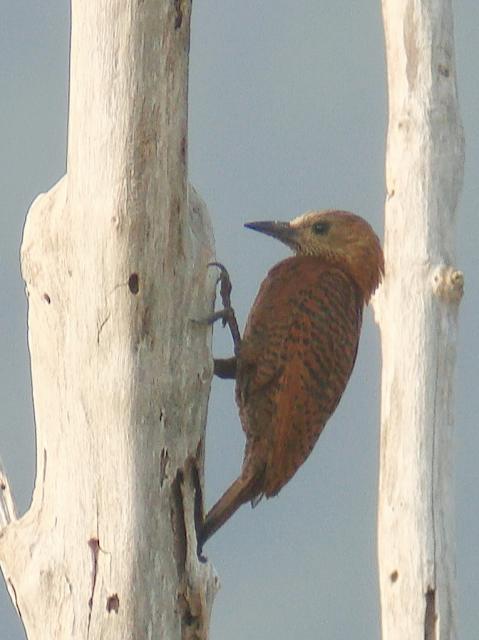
(282, 231)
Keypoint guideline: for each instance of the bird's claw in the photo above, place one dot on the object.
(225, 285)
(227, 314)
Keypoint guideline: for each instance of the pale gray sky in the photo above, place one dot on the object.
(287, 113)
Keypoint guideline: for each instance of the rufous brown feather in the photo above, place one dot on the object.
(298, 349)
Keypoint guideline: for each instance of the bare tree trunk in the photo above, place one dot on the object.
(115, 263)
(417, 311)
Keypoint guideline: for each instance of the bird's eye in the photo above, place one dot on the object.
(321, 228)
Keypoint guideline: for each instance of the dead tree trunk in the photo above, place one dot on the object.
(115, 263)
(417, 312)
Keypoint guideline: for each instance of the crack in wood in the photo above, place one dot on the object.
(430, 616)
(164, 459)
(100, 327)
(15, 599)
(191, 624)
(94, 544)
(190, 605)
(177, 511)
(179, 14)
(198, 497)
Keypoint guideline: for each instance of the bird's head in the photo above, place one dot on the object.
(338, 237)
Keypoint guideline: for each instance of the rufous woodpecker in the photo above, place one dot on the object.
(298, 348)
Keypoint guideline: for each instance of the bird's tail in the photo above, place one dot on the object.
(243, 489)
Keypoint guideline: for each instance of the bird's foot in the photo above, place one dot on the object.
(227, 314)
(224, 315)
(199, 552)
(225, 367)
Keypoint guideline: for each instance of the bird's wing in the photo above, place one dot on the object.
(300, 346)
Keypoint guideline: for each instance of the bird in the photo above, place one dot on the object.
(298, 348)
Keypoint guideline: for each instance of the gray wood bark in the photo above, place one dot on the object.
(114, 259)
(417, 311)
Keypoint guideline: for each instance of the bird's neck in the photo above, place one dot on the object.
(364, 271)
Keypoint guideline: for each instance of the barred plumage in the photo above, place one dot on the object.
(298, 349)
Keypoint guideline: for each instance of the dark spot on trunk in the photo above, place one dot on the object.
(394, 576)
(443, 70)
(183, 149)
(133, 283)
(47, 298)
(113, 603)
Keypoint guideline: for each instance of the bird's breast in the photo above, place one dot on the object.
(297, 354)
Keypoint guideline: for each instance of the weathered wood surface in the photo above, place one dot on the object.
(115, 263)
(417, 312)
